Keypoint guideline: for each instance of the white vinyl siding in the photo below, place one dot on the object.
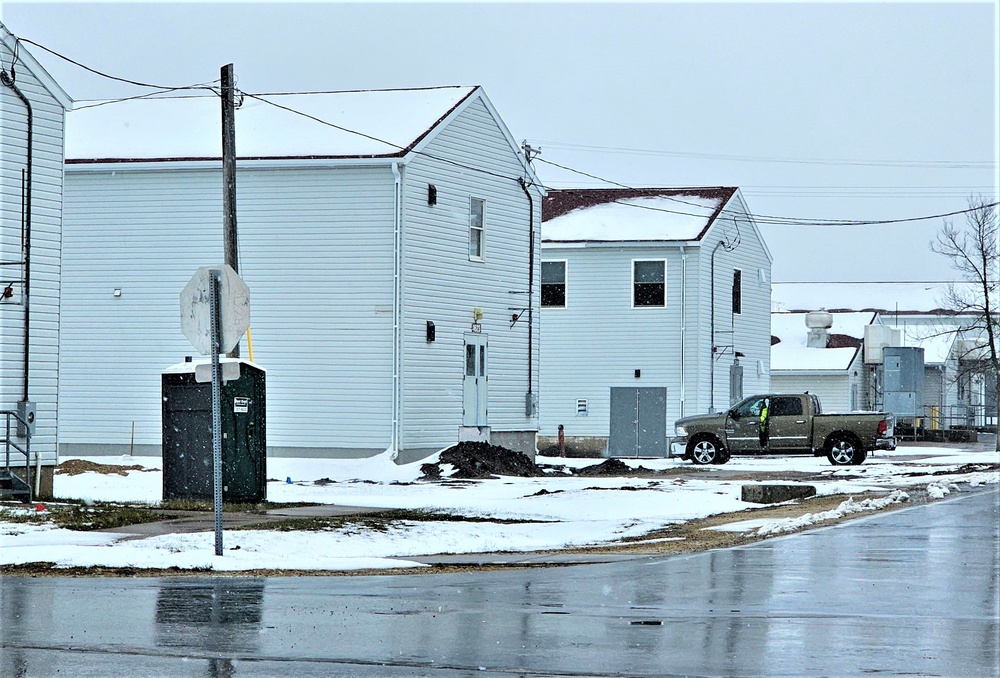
(600, 340)
(46, 221)
(749, 332)
(443, 286)
(316, 250)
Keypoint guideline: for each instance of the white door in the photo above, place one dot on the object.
(476, 380)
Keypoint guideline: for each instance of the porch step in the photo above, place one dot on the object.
(13, 487)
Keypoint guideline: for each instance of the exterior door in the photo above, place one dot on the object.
(743, 427)
(475, 388)
(638, 422)
(789, 428)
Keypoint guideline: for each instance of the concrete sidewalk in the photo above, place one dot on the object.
(185, 522)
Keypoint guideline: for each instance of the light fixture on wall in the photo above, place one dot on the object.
(117, 293)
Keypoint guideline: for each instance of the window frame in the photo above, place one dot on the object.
(737, 300)
(564, 283)
(481, 228)
(664, 283)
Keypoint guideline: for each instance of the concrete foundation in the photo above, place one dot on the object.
(576, 446)
(44, 482)
(519, 441)
(775, 494)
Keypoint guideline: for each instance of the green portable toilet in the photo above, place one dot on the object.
(187, 431)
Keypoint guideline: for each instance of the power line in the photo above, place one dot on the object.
(103, 74)
(321, 121)
(920, 164)
(771, 220)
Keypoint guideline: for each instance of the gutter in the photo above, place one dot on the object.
(711, 362)
(683, 325)
(396, 307)
(529, 400)
(8, 81)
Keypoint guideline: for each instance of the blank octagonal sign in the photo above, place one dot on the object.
(234, 309)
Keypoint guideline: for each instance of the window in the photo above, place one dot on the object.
(582, 407)
(554, 283)
(786, 407)
(649, 286)
(737, 291)
(477, 228)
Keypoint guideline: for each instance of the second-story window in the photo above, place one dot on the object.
(554, 283)
(477, 229)
(737, 291)
(649, 283)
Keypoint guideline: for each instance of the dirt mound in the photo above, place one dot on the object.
(608, 467)
(482, 460)
(73, 467)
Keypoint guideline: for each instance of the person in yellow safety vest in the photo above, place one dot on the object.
(764, 424)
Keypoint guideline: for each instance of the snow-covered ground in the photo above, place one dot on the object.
(571, 512)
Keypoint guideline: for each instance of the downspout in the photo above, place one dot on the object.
(529, 405)
(683, 324)
(711, 362)
(8, 81)
(396, 306)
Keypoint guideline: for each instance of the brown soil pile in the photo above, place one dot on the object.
(73, 467)
(482, 460)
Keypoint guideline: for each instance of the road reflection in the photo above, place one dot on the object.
(219, 616)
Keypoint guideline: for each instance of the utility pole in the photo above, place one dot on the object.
(229, 174)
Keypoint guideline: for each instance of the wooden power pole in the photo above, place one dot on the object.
(229, 174)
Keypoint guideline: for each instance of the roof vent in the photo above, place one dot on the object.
(819, 324)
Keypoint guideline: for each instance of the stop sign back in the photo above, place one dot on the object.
(196, 311)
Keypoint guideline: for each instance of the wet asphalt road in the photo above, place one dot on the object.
(914, 592)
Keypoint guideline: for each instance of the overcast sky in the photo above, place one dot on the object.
(817, 111)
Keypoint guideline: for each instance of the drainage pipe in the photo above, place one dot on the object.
(683, 325)
(8, 81)
(529, 405)
(711, 362)
(397, 340)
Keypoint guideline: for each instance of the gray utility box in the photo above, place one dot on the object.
(903, 380)
(187, 431)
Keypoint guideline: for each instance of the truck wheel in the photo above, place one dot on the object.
(703, 450)
(843, 450)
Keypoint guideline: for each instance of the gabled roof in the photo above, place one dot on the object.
(324, 125)
(792, 353)
(631, 214)
(43, 77)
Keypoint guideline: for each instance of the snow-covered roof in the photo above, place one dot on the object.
(900, 297)
(793, 353)
(370, 123)
(615, 215)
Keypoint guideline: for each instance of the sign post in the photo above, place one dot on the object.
(214, 284)
(215, 313)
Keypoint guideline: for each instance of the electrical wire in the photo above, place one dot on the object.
(773, 220)
(94, 70)
(321, 121)
(919, 164)
(763, 219)
(95, 103)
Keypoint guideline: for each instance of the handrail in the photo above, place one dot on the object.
(26, 450)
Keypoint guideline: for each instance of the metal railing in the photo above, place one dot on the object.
(10, 446)
(975, 417)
